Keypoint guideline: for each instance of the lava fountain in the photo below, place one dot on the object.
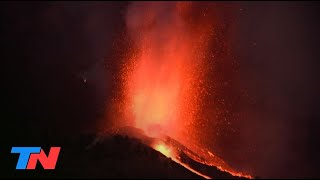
(164, 72)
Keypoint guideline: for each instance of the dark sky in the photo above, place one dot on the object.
(49, 49)
(277, 44)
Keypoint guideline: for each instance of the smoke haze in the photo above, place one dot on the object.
(262, 112)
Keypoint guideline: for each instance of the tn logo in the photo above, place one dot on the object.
(30, 155)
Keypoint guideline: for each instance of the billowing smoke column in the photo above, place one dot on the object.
(164, 75)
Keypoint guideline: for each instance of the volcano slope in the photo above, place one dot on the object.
(124, 154)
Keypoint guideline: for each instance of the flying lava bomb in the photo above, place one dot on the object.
(163, 77)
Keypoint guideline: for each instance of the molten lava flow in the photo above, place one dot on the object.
(165, 150)
(163, 78)
(168, 152)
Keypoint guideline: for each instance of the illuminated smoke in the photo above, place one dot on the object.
(163, 78)
(162, 82)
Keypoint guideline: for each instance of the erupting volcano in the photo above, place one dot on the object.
(163, 79)
(164, 70)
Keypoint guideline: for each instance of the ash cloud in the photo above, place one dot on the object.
(155, 22)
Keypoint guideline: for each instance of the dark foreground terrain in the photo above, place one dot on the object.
(117, 156)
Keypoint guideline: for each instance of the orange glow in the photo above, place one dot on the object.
(168, 152)
(192, 170)
(163, 78)
(162, 148)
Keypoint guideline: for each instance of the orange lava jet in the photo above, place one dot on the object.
(163, 77)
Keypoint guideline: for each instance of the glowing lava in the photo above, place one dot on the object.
(165, 150)
(163, 78)
(163, 75)
(168, 152)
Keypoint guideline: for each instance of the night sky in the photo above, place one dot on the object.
(59, 60)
